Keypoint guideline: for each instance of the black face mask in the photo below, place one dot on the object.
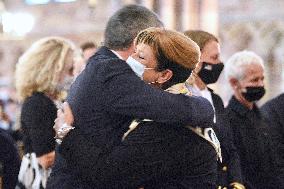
(210, 73)
(253, 93)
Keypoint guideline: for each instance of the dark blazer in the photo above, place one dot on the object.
(273, 111)
(252, 139)
(9, 161)
(105, 97)
(229, 170)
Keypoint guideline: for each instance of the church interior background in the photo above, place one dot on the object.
(256, 25)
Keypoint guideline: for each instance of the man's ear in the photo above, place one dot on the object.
(234, 83)
(165, 76)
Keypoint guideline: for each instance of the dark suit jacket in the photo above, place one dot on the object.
(105, 98)
(157, 155)
(9, 161)
(252, 139)
(273, 111)
(229, 170)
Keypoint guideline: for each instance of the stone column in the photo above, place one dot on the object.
(167, 13)
(209, 16)
(190, 14)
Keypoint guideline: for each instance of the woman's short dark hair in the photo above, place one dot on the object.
(173, 50)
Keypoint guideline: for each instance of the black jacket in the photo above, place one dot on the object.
(105, 97)
(252, 139)
(229, 170)
(9, 161)
(273, 112)
(156, 155)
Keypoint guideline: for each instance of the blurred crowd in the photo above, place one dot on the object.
(138, 112)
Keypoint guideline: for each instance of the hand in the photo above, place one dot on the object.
(63, 122)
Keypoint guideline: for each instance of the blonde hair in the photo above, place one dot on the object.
(38, 69)
(173, 51)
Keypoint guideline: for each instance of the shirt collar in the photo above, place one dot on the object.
(114, 52)
(240, 108)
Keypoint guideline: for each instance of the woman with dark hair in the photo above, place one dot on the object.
(162, 155)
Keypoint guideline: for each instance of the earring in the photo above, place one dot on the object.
(153, 82)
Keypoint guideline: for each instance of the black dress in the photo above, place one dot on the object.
(37, 119)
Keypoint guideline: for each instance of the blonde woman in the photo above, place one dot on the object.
(165, 155)
(42, 74)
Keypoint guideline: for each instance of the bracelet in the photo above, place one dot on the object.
(62, 132)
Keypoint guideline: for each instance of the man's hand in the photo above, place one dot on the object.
(63, 122)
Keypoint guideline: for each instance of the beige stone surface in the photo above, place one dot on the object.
(255, 25)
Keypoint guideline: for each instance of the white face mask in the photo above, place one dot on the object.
(136, 66)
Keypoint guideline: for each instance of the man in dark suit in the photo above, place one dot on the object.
(273, 111)
(252, 136)
(229, 171)
(108, 95)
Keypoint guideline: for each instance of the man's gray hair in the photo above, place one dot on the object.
(126, 23)
(235, 66)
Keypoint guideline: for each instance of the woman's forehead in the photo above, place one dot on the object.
(142, 47)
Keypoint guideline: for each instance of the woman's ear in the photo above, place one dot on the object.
(165, 76)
